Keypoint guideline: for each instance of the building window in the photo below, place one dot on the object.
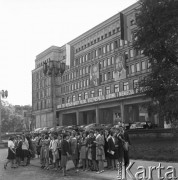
(105, 77)
(68, 99)
(100, 92)
(108, 90)
(131, 53)
(105, 63)
(109, 61)
(79, 97)
(108, 48)
(109, 75)
(137, 67)
(126, 55)
(100, 64)
(116, 88)
(135, 83)
(112, 46)
(99, 52)
(143, 65)
(121, 42)
(86, 57)
(104, 49)
(87, 82)
(113, 73)
(73, 98)
(84, 83)
(96, 53)
(126, 86)
(92, 94)
(112, 60)
(132, 68)
(115, 44)
(86, 95)
(100, 78)
(63, 100)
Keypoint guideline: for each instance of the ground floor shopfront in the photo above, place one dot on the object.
(43, 118)
(127, 109)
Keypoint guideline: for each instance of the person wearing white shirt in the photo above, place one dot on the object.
(11, 154)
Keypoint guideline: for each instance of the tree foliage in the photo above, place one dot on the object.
(157, 36)
(12, 117)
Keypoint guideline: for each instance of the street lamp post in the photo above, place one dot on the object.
(3, 94)
(53, 68)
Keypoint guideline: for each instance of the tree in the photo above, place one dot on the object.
(157, 36)
(13, 117)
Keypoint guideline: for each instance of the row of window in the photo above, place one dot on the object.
(99, 92)
(42, 94)
(42, 84)
(98, 39)
(44, 104)
(139, 66)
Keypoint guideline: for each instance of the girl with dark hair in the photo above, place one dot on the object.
(19, 150)
(25, 152)
(73, 142)
(100, 155)
(11, 154)
(113, 149)
(44, 155)
(92, 151)
(83, 150)
(55, 152)
(64, 152)
(106, 148)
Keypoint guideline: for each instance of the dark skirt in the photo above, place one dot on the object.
(11, 155)
(59, 151)
(25, 153)
(63, 161)
(19, 152)
(38, 150)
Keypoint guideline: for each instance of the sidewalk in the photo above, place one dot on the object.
(137, 166)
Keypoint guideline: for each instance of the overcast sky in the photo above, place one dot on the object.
(28, 27)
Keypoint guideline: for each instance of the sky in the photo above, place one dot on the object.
(28, 27)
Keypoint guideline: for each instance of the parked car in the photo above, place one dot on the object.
(141, 125)
(126, 125)
(38, 130)
(58, 128)
(93, 126)
(106, 126)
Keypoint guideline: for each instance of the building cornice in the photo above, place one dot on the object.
(47, 51)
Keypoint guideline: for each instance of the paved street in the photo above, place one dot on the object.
(34, 172)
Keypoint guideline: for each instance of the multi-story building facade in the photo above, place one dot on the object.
(100, 82)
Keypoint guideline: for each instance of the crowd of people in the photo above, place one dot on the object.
(87, 150)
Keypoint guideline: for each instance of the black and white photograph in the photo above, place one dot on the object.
(89, 90)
